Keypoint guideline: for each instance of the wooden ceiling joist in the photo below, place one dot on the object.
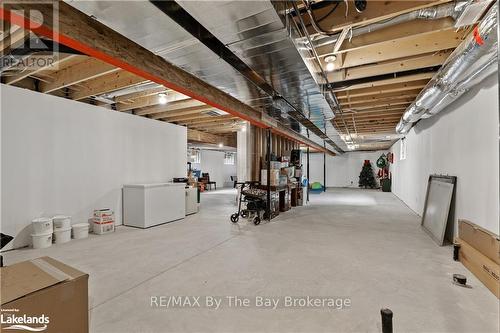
(187, 117)
(131, 97)
(88, 69)
(27, 72)
(106, 83)
(402, 30)
(208, 121)
(382, 98)
(405, 47)
(199, 136)
(390, 88)
(180, 112)
(392, 66)
(381, 83)
(151, 100)
(178, 105)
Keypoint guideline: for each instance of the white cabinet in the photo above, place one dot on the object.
(191, 200)
(147, 205)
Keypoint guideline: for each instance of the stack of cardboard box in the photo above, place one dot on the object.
(480, 253)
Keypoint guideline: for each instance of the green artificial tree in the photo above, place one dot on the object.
(366, 177)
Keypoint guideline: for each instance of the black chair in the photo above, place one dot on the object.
(207, 181)
(234, 179)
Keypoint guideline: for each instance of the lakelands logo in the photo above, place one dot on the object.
(24, 322)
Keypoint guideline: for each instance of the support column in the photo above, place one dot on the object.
(244, 153)
(268, 152)
(307, 200)
(324, 170)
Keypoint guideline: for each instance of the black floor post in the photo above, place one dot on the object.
(268, 154)
(386, 320)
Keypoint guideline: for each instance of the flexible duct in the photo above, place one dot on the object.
(472, 61)
(452, 10)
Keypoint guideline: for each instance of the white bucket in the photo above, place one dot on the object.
(42, 226)
(61, 222)
(80, 230)
(62, 235)
(41, 241)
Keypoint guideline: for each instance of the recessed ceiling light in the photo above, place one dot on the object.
(162, 98)
(331, 58)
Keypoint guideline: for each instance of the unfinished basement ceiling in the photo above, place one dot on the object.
(161, 35)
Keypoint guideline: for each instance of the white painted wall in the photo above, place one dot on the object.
(212, 161)
(342, 170)
(461, 141)
(65, 157)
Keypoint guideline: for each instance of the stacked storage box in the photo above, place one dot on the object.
(103, 221)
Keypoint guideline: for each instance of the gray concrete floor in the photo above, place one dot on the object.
(360, 244)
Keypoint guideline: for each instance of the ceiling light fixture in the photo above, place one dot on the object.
(162, 98)
(220, 145)
(330, 62)
(243, 128)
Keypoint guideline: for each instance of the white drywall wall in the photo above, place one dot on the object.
(342, 170)
(460, 141)
(65, 157)
(212, 161)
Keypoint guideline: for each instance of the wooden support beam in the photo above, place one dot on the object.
(25, 72)
(199, 136)
(220, 124)
(130, 98)
(209, 121)
(186, 117)
(348, 112)
(86, 70)
(87, 35)
(382, 98)
(392, 66)
(106, 83)
(184, 111)
(381, 83)
(371, 105)
(14, 36)
(160, 109)
(401, 30)
(150, 100)
(403, 47)
(390, 88)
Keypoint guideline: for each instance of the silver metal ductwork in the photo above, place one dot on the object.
(472, 61)
(452, 10)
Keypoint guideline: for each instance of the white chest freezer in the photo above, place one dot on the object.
(147, 205)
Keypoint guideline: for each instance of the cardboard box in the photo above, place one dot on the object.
(481, 239)
(485, 269)
(275, 177)
(44, 292)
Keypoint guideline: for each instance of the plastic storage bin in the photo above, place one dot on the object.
(42, 226)
(80, 230)
(42, 241)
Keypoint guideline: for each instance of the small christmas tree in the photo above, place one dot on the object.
(366, 177)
